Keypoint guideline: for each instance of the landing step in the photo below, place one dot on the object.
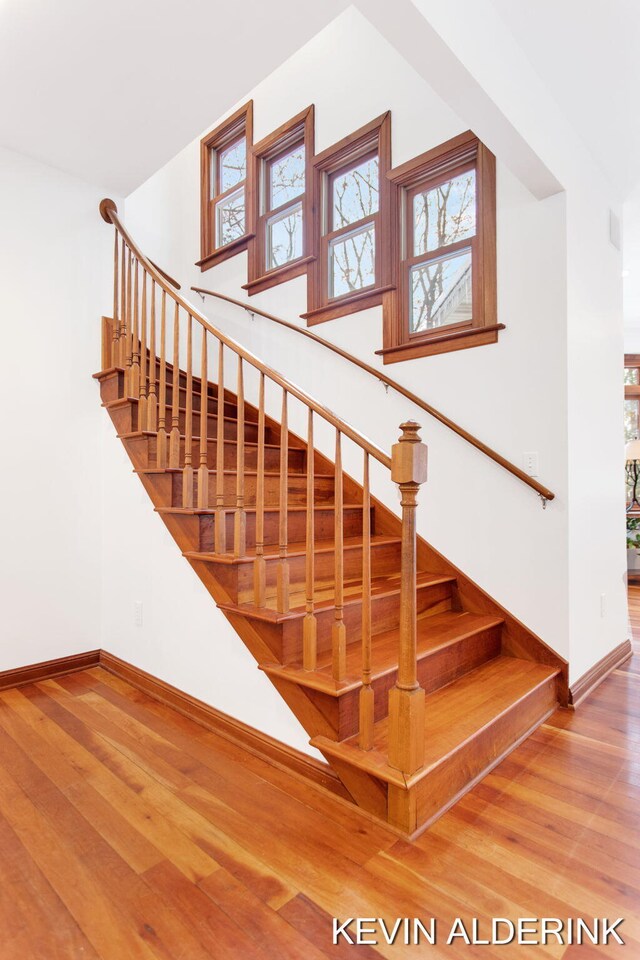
(435, 634)
(455, 716)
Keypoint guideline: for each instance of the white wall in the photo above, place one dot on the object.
(597, 559)
(513, 394)
(53, 290)
(631, 266)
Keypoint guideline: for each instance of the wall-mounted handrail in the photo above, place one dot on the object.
(109, 213)
(511, 468)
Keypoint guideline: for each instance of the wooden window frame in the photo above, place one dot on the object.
(238, 125)
(458, 155)
(300, 129)
(373, 138)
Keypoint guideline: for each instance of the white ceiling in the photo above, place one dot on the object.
(109, 90)
(587, 55)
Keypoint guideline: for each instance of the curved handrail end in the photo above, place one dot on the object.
(106, 207)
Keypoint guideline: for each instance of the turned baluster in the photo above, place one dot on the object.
(161, 454)
(115, 331)
(282, 575)
(152, 400)
(240, 519)
(221, 520)
(129, 330)
(174, 439)
(122, 344)
(309, 625)
(367, 705)
(406, 699)
(135, 341)
(203, 469)
(142, 401)
(187, 472)
(260, 567)
(338, 629)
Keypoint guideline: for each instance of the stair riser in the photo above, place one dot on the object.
(160, 486)
(384, 561)
(127, 420)
(250, 428)
(296, 457)
(385, 615)
(112, 387)
(196, 532)
(296, 486)
(230, 428)
(182, 380)
(434, 671)
(142, 451)
(457, 773)
(230, 408)
(323, 522)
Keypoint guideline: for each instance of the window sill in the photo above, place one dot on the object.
(351, 304)
(224, 253)
(288, 271)
(442, 343)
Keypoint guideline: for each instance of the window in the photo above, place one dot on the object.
(281, 163)
(446, 270)
(352, 200)
(225, 188)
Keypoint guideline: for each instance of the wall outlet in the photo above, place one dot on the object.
(603, 604)
(531, 463)
(137, 613)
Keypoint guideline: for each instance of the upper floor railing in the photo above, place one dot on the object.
(161, 341)
(543, 492)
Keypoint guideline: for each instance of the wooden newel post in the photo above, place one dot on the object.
(406, 698)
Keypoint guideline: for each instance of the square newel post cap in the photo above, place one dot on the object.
(409, 455)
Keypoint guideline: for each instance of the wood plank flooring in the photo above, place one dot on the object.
(127, 831)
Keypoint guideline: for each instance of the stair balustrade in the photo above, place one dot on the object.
(136, 344)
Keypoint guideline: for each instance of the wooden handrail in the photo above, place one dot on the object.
(109, 213)
(511, 468)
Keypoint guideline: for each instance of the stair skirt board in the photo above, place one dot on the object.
(488, 680)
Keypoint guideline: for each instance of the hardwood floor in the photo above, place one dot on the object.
(128, 831)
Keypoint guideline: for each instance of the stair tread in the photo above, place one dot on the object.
(453, 715)
(299, 475)
(123, 401)
(138, 434)
(295, 549)
(434, 632)
(268, 508)
(212, 388)
(229, 440)
(324, 596)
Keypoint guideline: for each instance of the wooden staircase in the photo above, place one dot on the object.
(409, 679)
